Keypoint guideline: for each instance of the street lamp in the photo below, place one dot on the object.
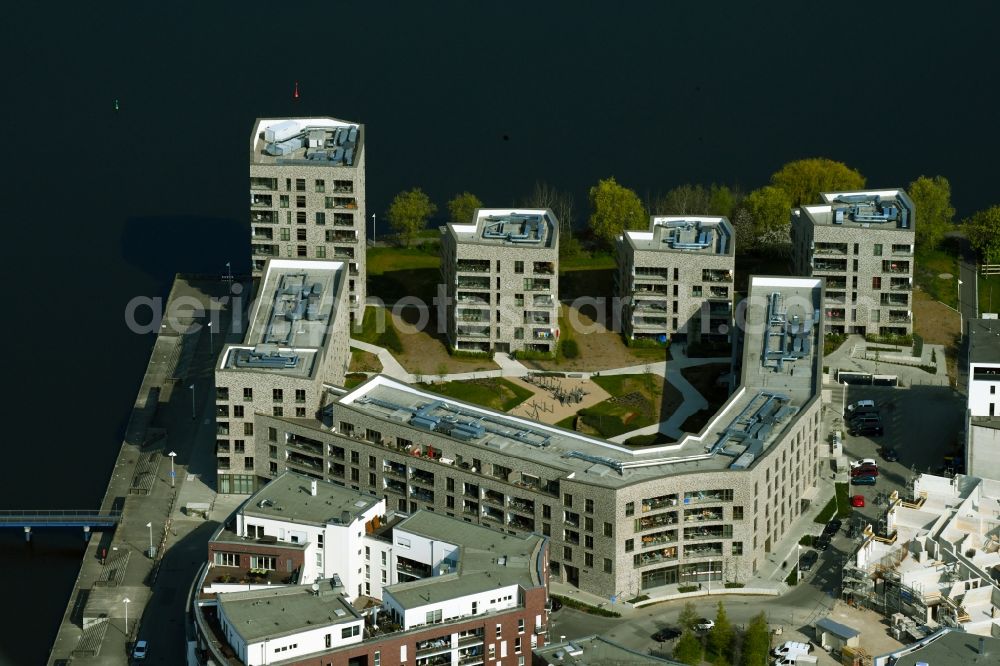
(172, 454)
(843, 400)
(211, 337)
(192, 401)
(798, 560)
(373, 229)
(150, 526)
(126, 601)
(961, 328)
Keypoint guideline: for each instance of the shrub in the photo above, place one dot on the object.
(806, 540)
(732, 584)
(918, 345)
(792, 578)
(687, 588)
(586, 608)
(570, 349)
(832, 342)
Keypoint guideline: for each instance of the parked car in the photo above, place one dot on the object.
(704, 624)
(860, 407)
(140, 650)
(867, 470)
(832, 527)
(555, 604)
(867, 428)
(821, 543)
(792, 647)
(807, 560)
(889, 454)
(666, 634)
(864, 461)
(863, 480)
(858, 500)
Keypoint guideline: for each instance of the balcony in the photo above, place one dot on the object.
(434, 646)
(703, 550)
(660, 502)
(393, 469)
(492, 513)
(261, 201)
(263, 217)
(654, 557)
(422, 495)
(536, 318)
(569, 536)
(900, 284)
(471, 490)
(649, 308)
(716, 275)
(653, 522)
(337, 236)
(475, 298)
(343, 187)
(264, 250)
(542, 334)
(537, 284)
(834, 265)
(262, 233)
(649, 322)
(305, 445)
(473, 266)
(343, 252)
(718, 292)
(902, 250)
(412, 568)
(493, 497)
(521, 523)
(659, 538)
(899, 317)
(830, 248)
(343, 220)
(703, 515)
(257, 183)
(337, 470)
(474, 638)
(463, 282)
(571, 519)
(422, 477)
(544, 268)
(222, 428)
(472, 315)
(395, 486)
(895, 267)
(470, 508)
(651, 274)
(836, 283)
(902, 300)
(836, 314)
(648, 291)
(521, 505)
(708, 532)
(708, 496)
(473, 332)
(542, 301)
(344, 202)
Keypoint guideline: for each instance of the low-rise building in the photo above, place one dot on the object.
(307, 195)
(982, 428)
(861, 243)
(936, 561)
(593, 651)
(337, 580)
(297, 339)
(622, 521)
(501, 274)
(676, 280)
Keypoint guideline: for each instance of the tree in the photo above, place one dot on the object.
(720, 637)
(688, 649)
(409, 212)
(803, 180)
(688, 616)
(561, 203)
(614, 209)
(721, 200)
(769, 209)
(695, 200)
(756, 642)
(743, 228)
(983, 231)
(933, 212)
(463, 207)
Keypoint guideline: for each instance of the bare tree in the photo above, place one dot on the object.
(561, 203)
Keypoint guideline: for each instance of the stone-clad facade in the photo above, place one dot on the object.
(621, 522)
(868, 265)
(677, 278)
(501, 274)
(302, 207)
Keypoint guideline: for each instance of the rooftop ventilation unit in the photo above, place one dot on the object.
(281, 131)
(264, 358)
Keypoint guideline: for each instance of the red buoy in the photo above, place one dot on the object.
(295, 95)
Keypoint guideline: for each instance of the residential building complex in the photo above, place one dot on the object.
(307, 195)
(862, 244)
(982, 429)
(297, 338)
(501, 273)
(935, 560)
(677, 278)
(309, 572)
(621, 521)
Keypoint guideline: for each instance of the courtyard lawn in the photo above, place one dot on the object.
(492, 392)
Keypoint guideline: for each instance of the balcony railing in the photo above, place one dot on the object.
(838, 266)
(699, 516)
(659, 539)
(899, 318)
(654, 556)
(900, 285)
(473, 332)
(895, 267)
(831, 248)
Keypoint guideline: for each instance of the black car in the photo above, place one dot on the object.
(821, 543)
(555, 603)
(866, 428)
(807, 560)
(666, 634)
(889, 455)
(832, 527)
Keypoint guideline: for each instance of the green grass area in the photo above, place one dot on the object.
(832, 342)
(636, 403)
(928, 266)
(762, 263)
(395, 272)
(354, 378)
(567, 422)
(703, 379)
(989, 293)
(387, 337)
(828, 512)
(843, 501)
(493, 392)
(586, 608)
(587, 261)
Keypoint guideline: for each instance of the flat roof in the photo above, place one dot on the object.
(836, 628)
(689, 234)
(779, 379)
(321, 141)
(594, 651)
(296, 305)
(289, 498)
(889, 209)
(286, 610)
(487, 559)
(953, 647)
(984, 341)
(528, 228)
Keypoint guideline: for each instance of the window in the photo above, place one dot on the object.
(300, 184)
(355, 458)
(567, 499)
(355, 475)
(876, 283)
(286, 234)
(878, 250)
(737, 513)
(300, 201)
(300, 235)
(499, 630)
(517, 642)
(348, 632)
(588, 523)
(737, 548)
(546, 511)
(248, 462)
(321, 252)
(239, 446)
(300, 412)
(856, 248)
(630, 509)
(546, 529)
(248, 429)
(272, 468)
(371, 478)
(328, 640)
(277, 395)
(300, 395)
(588, 541)
(629, 545)
(518, 266)
(567, 553)
(227, 559)
(377, 658)
(449, 502)
(247, 394)
(588, 559)
(277, 411)
(320, 186)
(302, 251)
(238, 411)
(607, 565)
(283, 200)
(262, 562)
(608, 530)
(272, 452)
(588, 506)
(520, 626)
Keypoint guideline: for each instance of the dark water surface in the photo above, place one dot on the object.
(104, 206)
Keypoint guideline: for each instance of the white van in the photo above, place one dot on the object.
(795, 658)
(791, 647)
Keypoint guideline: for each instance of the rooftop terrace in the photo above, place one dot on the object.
(685, 233)
(522, 227)
(290, 322)
(320, 141)
(869, 209)
(780, 376)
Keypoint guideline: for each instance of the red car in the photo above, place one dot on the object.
(858, 500)
(865, 470)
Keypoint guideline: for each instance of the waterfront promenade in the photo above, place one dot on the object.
(169, 416)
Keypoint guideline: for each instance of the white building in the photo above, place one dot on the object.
(983, 418)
